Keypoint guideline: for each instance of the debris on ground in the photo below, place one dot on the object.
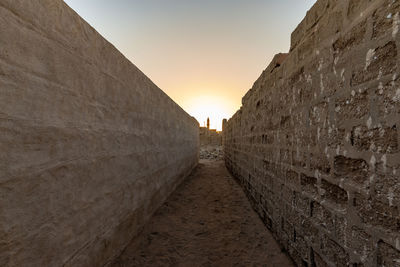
(212, 152)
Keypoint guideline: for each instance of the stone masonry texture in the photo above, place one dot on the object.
(89, 146)
(315, 144)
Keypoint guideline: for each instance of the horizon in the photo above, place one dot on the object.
(205, 56)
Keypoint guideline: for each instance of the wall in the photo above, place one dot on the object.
(316, 142)
(210, 137)
(89, 146)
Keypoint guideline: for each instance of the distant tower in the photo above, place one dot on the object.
(208, 123)
(224, 121)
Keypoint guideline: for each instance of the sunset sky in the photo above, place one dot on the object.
(205, 54)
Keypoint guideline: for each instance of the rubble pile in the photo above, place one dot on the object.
(211, 152)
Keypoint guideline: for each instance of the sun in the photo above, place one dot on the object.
(212, 107)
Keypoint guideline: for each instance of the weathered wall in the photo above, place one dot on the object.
(89, 146)
(210, 137)
(316, 142)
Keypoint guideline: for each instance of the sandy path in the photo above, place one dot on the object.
(207, 221)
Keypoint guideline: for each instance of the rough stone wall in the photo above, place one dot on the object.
(316, 142)
(89, 146)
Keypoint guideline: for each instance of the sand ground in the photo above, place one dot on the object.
(207, 221)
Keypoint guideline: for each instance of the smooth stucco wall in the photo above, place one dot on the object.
(89, 146)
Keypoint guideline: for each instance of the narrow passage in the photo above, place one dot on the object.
(207, 221)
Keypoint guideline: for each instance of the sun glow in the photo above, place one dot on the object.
(213, 107)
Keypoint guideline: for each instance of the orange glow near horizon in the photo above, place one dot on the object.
(209, 106)
(207, 100)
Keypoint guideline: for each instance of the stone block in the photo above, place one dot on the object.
(336, 137)
(308, 184)
(333, 193)
(319, 114)
(350, 39)
(292, 178)
(384, 19)
(310, 231)
(362, 243)
(378, 214)
(334, 252)
(379, 62)
(353, 106)
(388, 97)
(387, 186)
(353, 170)
(355, 8)
(302, 203)
(299, 158)
(381, 139)
(320, 162)
(323, 216)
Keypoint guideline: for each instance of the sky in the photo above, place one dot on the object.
(205, 54)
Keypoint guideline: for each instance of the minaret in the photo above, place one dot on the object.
(208, 123)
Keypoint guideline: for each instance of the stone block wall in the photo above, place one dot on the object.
(89, 146)
(316, 143)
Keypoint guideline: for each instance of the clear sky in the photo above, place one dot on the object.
(205, 54)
